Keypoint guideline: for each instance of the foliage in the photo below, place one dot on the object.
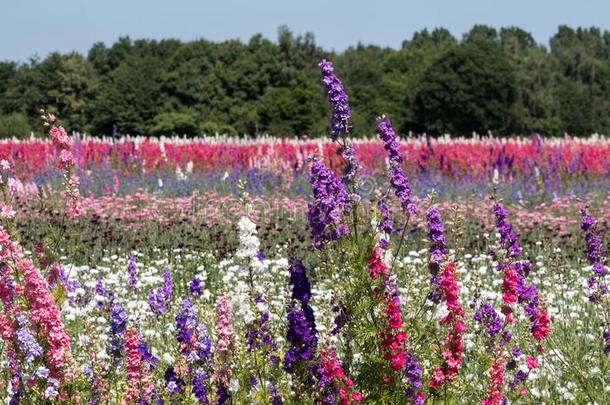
(501, 81)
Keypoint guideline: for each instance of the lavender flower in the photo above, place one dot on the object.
(341, 111)
(331, 201)
(186, 321)
(28, 345)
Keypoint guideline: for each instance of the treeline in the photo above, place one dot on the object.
(500, 81)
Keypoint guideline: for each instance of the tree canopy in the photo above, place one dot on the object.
(489, 80)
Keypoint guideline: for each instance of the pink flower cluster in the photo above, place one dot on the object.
(496, 382)
(393, 338)
(452, 344)
(334, 372)
(509, 291)
(44, 313)
(224, 336)
(139, 383)
(540, 328)
(63, 143)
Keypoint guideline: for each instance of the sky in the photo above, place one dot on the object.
(38, 27)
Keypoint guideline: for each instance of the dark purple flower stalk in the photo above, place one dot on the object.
(436, 233)
(398, 178)
(195, 286)
(487, 316)
(118, 325)
(302, 333)
(173, 382)
(595, 248)
(385, 223)
(341, 111)
(413, 376)
(331, 201)
(351, 164)
(300, 337)
(132, 270)
(160, 298)
(258, 334)
(527, 293)
(508, 238)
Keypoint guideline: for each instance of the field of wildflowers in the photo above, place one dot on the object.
(268, 271)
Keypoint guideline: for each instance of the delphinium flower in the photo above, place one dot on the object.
(341, 111)
(352, 166)
(488, 318)
(302, 334)
(249, 244)
(44, 315)
(514, 287)
(224, 346)
(438, 250)
(413, 375)
(195, 286)
(28, 346)
(398, 178)
(258, 334)
(118, 326)
(452, 344)
(16, 377)
(331, 201)
(385, 224)
(334, 382)
(196, 348)
(67, 163)
(496, 382)
(596, 255)
(139, 383)
(132, 271)
(174, 384)
(160, 298)
(393, 337)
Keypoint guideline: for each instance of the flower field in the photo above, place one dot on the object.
(335, 271)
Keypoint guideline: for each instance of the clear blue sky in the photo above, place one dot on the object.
(29, 27)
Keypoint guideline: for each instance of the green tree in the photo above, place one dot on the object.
(470, 88)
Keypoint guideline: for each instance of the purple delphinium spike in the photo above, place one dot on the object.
(341, 111)
(302, 333)
(132, 270)
(28, 346)
(487, 316)
(398, 178)
(595, 248)
(159, 299)
(508, 238)
(385, 217)
(331, 201)
(195, 286)
(436, 233)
